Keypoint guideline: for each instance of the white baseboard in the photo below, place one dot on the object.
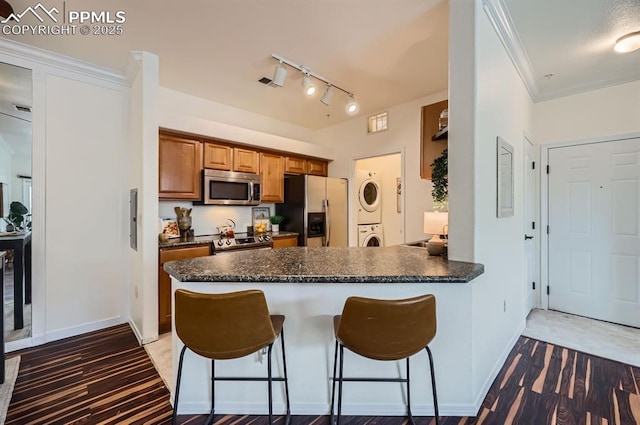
(18, 345)
(352, 409)
(496, 368)
(84, 328)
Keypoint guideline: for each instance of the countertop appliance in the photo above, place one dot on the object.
(230, 188)
(237, 243)
(317, 209)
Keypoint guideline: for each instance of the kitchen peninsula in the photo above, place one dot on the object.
(309, 286)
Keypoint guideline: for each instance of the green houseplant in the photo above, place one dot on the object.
(18, 216)
(440, 180)
(275, 222)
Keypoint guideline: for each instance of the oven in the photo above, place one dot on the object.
(225, 245)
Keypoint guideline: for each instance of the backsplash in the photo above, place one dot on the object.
(205, 218)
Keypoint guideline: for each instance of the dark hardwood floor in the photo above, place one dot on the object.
(105, 378)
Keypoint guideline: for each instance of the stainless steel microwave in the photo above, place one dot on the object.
(229, 188)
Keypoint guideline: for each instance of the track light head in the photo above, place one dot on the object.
(309, 88)
(279, 75)
(352, 106)
(326, 97)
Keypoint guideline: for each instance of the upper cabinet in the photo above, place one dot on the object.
(317, 167)
(217, 157)
(245, 160)
(295, 165)
(272, 173)
(431, 149)
(180, 166)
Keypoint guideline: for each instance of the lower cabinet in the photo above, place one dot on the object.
(285, 241)
(164, 280)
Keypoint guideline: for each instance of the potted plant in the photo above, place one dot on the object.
(440, 181)
(18, 217)
(275, 222)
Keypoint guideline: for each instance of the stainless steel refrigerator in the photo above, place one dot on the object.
(317, 209)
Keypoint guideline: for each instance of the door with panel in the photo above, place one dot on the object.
(594, 225)
(530, 250)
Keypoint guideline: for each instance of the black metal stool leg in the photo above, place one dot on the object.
(174, 417)
(286, 379)
(269, 381)
(433, 386)
(411, 420)
(209, 419)
(340, 384)
(333, 383)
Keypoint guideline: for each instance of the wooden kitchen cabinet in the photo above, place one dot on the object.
(245, 160)
(218, 157)
(285, 241)
(272, 177)
(164, 280)
(295, 165)
(179, 168)
(317, 167)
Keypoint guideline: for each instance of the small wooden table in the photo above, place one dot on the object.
(20, 243)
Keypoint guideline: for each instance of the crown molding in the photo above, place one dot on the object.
(45, 58)
(614, 80)
(504, 27)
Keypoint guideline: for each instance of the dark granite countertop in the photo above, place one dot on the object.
(334, 265)
(207, 239)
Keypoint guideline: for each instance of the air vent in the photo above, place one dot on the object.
(265, 80)
(21, 108)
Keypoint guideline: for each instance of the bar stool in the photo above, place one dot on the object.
(228, 326)
(384, 330)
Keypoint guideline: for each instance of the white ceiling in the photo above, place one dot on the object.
(385, 51)
(571, 39)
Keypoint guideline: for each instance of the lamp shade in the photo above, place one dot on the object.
(436, 223)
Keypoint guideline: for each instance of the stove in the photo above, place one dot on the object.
(236, 243)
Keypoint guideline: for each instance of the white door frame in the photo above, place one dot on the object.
(536, 217)
(544, 203)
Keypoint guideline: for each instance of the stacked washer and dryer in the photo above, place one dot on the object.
(369, 209)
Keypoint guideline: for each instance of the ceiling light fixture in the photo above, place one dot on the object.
(279, 75)
(5, 9)
(628, 43)
(326, 97)
(310, 89)
(352, 105)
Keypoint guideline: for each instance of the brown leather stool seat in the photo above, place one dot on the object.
(228, 326)
(384, 330)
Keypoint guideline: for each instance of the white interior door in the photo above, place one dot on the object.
(530, 225)
(594, 241)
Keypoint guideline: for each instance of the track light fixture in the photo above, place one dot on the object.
(328, 94)
(279, 75)
(352, 106)
(309, 88)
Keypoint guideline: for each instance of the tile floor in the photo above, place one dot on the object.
(608, 340)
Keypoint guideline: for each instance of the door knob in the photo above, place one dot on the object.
(527, 237)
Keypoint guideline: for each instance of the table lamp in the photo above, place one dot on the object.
(436, 223)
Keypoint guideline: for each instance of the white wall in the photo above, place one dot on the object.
(182, 112)
(388, 168)
(205, 218)
(501, 107)
(20, 165)
(595, 114)
(85, 175)
(351, 141)
(143, 176)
